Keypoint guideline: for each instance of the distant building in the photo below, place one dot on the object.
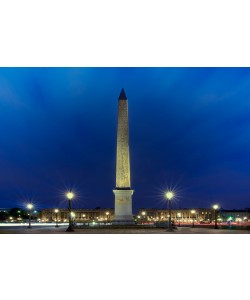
(148, 215)
(183, 215)
(79, 215)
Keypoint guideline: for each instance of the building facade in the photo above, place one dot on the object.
(78, 215)
(149, 215)
(198, 215)
(184, 215)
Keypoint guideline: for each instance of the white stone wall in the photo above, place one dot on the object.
(123, 205)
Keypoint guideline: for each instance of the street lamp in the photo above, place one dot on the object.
(70, 196)
(83, 217)
(169, 196)
(56, 211)
(30, 206)
(215, 207)
(107, 214)
(144, 216)
(193, 216)
(179, 217)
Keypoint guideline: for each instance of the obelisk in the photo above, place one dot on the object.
(123, 192)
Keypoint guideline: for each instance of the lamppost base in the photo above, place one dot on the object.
(57, 226)
(69, 229)
(29, 227)
(170, 229)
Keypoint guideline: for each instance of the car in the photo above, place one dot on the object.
(205, 222)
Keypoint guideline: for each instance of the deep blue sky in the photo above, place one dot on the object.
(189, 130)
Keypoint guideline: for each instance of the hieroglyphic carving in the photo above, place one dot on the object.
(122, 156)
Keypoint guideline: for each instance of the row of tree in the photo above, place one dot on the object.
(17, 213)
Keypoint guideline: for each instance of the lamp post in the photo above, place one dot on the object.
(83, 218)
(30, 206)
(215, 207)
(107, 214)
(144, 216)
(179, 217)
(169, 196)
(70, 196)
(56, 211)
(193, 216)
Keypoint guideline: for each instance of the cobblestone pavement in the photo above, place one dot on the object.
(62, 230)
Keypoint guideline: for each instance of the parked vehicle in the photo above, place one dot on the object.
(205, 222)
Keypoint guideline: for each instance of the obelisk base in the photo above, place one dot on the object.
(123, 207)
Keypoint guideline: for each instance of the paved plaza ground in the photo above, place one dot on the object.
(62, 230)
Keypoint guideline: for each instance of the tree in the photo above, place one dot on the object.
(17, 212)
(3, 215)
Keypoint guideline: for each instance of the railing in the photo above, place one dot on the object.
(91, 224)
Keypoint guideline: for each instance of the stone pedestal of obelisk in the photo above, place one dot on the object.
(123, 192)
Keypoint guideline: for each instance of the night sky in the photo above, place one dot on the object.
(189, 131)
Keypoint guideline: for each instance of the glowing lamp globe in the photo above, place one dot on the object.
(70, 195)
(30, 206)
(169, 195)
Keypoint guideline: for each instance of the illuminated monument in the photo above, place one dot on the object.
(123, 192)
